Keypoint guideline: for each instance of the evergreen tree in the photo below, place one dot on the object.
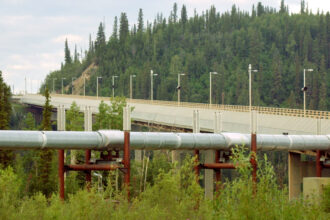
(174, 14)
(46, 183)
(115, 28)
(123, 31)
(184, 16)
(67, 54)
(29, 122)
(100, 45)
(140, 21)
(74, 118)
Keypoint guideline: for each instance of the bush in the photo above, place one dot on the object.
(174, 194)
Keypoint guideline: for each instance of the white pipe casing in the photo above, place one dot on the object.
(112, 139)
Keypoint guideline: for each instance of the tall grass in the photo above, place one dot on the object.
(174, 194)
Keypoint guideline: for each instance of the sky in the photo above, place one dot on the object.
(32, 32)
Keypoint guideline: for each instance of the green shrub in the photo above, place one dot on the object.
(174, 194)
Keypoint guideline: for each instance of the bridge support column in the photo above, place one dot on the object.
(61, 153)
(210, 157)
(126, 161)
(254, 148)
(61, 172)
(318, 152)
(138, 155)
(217, 172)
(196, 129)
(88, 153)
(209, 175)
(197, 168)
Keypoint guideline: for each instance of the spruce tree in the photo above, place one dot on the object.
(46, 184)
(67, 54)
(140, 21)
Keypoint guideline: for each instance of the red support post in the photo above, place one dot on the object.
(253, 158)
(197, 168)
(61, 172)
(127, 160)
(89, 167)
(218, 166)
(88, 172)
(318, 164)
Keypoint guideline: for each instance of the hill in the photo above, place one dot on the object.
(277, 43)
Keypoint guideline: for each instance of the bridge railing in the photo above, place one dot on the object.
(237, 108)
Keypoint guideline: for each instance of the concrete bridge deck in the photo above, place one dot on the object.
(234, 118)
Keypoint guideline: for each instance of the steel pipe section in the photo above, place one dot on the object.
(50, 140)
(111, 139)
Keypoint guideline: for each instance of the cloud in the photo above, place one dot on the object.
(70, 37)
(33, 32)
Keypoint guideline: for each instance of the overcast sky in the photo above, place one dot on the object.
(32, 32)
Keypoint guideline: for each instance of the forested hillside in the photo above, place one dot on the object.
(276, 42)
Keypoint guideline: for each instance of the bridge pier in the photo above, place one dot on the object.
(61, 153)
(299, 169)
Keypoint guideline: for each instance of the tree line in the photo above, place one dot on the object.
(277, 43)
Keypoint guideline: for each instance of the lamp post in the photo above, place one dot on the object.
(97, 86)
(304, 89)
(54, 85)
(113, 85)
(131, 86)
(152, 84)
(72, 84)
(211, 73)
(179, 87)
(250, 86)
(62, 84)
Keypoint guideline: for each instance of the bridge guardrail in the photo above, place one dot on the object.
(237, 108)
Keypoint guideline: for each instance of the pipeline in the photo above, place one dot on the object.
(112, 139)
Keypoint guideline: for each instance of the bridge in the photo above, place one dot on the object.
(169, 115)
(172, 116)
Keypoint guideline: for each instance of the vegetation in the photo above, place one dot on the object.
(175, 194)
(276, 42)
(110, 116)
(6, 156)
(47, 182)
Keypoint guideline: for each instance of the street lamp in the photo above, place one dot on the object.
(54, 85)
(179, 87)
(62, 84)
(97, 86)
(113, 85)
(131, 86)
(152, 84)
(72, 84)
(211, 73)
(250, 86)
(304, 89)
